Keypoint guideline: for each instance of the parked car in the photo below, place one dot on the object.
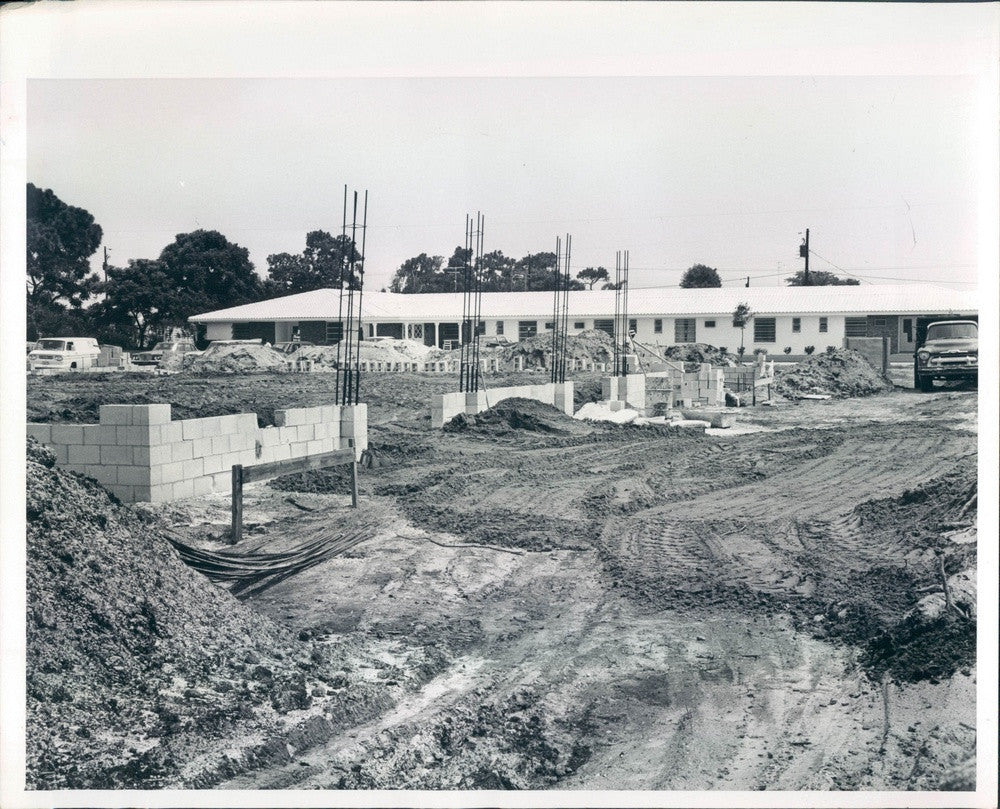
(162, 349)
(494, 342)
(64, 354)
(949, 351)
(290, 347)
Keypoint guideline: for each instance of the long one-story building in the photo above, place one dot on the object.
(783, 317)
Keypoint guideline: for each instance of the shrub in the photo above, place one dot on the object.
(831, 349)
(788, 349)
(741, 351)
(758, 351)
(810, 349)
(724, 349)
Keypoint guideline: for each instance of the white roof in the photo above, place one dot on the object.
(323, 304)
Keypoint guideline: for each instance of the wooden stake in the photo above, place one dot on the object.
(237, 533)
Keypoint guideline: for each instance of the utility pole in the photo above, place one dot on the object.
(804, 253)
(105, 265)
(748, 282)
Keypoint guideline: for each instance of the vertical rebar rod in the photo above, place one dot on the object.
(345, 258)
(555, 311)
(361, 292)
(479, 296)
(565, 308)
(465, 307)
(625, 319)
(349, 345)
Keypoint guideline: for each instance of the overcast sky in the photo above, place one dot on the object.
(678, 170)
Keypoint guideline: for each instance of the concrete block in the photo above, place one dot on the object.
(222, 482)
(201, 447)
(202, 485)
(194, 468)
(615, 405)
(269, 436)
(99, 434)
(328, 445)
(123, 493)
(67, 433)
(151, 414)
(116, 414)
(330, 412)
(41, 432)
(220, 444)
(192, 429)
(290, 417)
(359, 412)
(172, 472)
(84, 454)
(62, 453)
(181, 451)
(135, 436)
(119, 456)
(162, 493)
(313, 415)
(213, 464)
(314, 447)
(105, 475)
(286, 435)
(306, 432)
(246, 422)
(183, 488)
(282, 452)
(134, 476)
(228, 424)
(171, 433)
(299, 448)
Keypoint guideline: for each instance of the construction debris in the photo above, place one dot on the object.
(840, 373)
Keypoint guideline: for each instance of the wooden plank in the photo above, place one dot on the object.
(354, 483)
(237, 506)
(292, 465)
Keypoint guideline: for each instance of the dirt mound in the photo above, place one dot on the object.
(238, 358)
(517, 414)
(841, 373)
(134, 661)
(592, 345)
(697, 353)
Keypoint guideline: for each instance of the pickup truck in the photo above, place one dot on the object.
(949, 351)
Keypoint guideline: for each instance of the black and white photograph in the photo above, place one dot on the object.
(499, 404)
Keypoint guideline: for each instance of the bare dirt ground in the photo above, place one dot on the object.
(614, 607)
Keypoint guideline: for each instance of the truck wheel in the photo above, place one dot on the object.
(925, 383)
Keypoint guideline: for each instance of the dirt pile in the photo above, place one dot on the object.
(135, 663)
(841, 373)
(697, 353)
(234, 358)
(517, 414)
(592, 345)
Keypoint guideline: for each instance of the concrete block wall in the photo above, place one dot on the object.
(445, 406)
(672, 385)
(139, 454)
(630, 389)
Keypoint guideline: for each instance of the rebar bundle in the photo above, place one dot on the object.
(347, 386)
(560, 311)
(621, 335)
(472, 304)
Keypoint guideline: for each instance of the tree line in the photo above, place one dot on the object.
(201, 271)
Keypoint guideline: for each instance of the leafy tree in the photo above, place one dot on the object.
(60, 239)
(205, 271)
(591, 275)
(320, 266)
(701, 276)
(741, 316)
(421, 273)
(613, 285)
(137, 302)
(820, 279)
(498, 272)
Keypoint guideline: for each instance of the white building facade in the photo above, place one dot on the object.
(783, 320)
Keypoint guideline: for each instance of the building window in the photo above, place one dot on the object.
(684, 330)
(908, 329)
(709, 324)
(579, 324)
(824, 325)
(633, 326)
(481, 328)
(658, 326)
(763, 330)
(855, 327)
(796, 324)
(526, 329)
(607, 326)
(499, 327)
(549, 324)
(334, 331)
(416, 331)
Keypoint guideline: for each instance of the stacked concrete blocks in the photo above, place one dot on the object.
(140, 455)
